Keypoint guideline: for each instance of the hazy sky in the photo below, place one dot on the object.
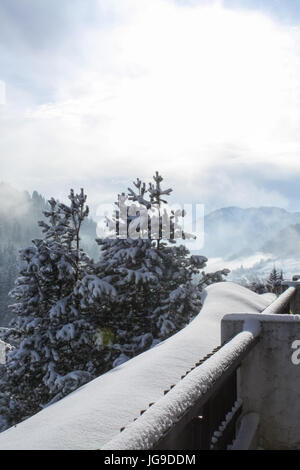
(99, 92)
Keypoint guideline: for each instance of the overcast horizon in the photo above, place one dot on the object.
(99, 92)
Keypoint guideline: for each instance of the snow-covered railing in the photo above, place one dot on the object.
(199, 412)
(288, 301)
(282, 303)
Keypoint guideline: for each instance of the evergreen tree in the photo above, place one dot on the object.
(19, 216)
(255, 284)
(158, 291)
(55, 350)
(274, 282)
(134, 267)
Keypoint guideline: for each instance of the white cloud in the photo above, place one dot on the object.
(165, 87)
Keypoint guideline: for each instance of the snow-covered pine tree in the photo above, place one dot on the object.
(255, 284)
(134, 267)
(274, 281)
(155, 278)
(55, 350)
(262, 286)
(183, 281)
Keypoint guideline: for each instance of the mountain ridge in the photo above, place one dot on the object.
(231, 232)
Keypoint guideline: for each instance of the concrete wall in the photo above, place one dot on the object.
(269, 380)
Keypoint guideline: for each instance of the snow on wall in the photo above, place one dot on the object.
(145, 433)
(92, 415)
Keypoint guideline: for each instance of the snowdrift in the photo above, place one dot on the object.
(92, 415)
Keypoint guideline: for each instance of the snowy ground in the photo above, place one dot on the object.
(94, 414)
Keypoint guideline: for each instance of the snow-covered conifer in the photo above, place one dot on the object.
(274, 281)
(55, 351)
(158, 291)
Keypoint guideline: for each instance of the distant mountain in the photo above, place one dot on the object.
(19, 216)
(233, 232)
(286, 243)
(262, 269)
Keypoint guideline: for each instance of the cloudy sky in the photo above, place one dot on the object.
(99, 92)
